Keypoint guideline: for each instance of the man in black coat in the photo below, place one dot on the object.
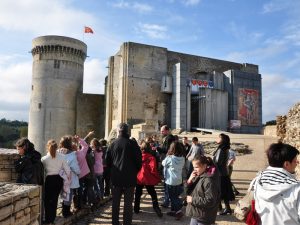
(124, 158)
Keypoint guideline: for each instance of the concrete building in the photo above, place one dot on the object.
(150, 86)
(57, 105)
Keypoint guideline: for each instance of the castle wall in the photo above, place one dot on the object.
(7, 168)
(57, 78)
(90, 115)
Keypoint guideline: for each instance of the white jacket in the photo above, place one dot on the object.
(277, 197)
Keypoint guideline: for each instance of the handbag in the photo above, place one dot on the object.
(253, 217)
(243, 206)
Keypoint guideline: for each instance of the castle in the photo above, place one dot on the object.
(146, 86)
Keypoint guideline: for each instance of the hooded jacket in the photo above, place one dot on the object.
(173, 169)
(277, 197)
(148, 175)
(205, 197)
(29, 168)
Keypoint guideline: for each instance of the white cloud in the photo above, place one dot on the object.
(137, 6)
(191, 2)
(241, 33)
(154, 31)
(258, 54)
(279, 95)
(95, 72)
(275, 6)
(14, 88)
(43, 17)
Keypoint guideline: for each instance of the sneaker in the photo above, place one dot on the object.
(178, 215)
(158, 211)
(171, 213)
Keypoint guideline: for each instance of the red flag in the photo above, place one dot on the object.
(88, 30)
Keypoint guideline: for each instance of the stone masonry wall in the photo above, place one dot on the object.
(292, 135)
(288, 129)
(7, 169)
(19, 204)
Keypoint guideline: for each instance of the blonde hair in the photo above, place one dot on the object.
(52, 147)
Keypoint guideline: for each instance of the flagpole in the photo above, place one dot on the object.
(83, 35)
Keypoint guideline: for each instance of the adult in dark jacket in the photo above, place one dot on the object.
(220, 159)
(124, 158)
(203, 192)
(29, 166)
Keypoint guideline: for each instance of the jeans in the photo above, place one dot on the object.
(99, 186)
(128, 199)
(166, 196)
(174, 192)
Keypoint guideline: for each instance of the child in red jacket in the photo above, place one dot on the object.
(148, 176)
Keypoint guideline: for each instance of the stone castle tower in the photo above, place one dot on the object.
(57, 82)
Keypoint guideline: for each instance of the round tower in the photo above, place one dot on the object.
(57, 78)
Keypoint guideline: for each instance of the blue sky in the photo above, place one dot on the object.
(262, 32)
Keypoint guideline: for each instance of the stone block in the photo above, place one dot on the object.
(5, 176)
(19, 214)
(34, 210)
(8, 221)
(21, 204)
(34, 192)
(34, 222)
(27, 210)
(34, 201)
(6, 211)
(23, 220)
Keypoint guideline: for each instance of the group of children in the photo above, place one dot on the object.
(201, 188)
(74, 170)
(77, 171)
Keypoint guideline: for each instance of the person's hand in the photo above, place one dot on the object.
(76, 138)
(91, 133)
(189, 199)
(192, 176)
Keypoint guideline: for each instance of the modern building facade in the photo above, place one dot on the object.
(152, 85)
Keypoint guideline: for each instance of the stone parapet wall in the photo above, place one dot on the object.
(19, 204)
(270, 130)
(7, 169)
(281, 127)
(288, 130)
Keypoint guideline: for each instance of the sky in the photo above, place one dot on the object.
(261, 32)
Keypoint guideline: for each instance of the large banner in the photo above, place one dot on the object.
(248, 106)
